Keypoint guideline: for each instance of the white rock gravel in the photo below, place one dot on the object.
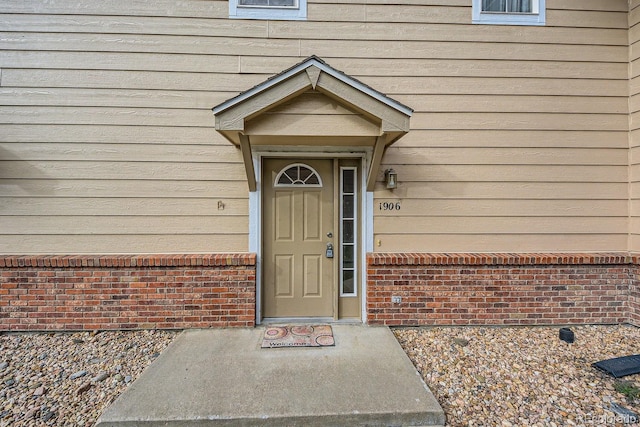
(527, 376)
(481, 376)
(68, 379)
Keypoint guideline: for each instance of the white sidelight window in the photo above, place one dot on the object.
(348, 231)
(509, 12)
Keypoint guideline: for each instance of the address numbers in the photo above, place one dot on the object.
(390, 206)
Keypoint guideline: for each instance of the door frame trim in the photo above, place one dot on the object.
(255, 208)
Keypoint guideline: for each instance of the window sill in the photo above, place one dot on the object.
(275, 14)
(510, 19)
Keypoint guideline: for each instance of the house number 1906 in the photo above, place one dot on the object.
(390, 206)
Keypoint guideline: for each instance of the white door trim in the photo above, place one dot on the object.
(255, 209)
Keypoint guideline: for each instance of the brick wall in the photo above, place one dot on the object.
(500, 289)
(193, 291)
(127, 292)
(634, 292)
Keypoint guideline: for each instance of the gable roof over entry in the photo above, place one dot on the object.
(312, 104)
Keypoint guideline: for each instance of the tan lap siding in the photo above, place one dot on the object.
(524, 159)
(518, 143)
(107, 143)
(634, 139)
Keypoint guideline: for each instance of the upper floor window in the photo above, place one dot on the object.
(268, 9)
(509, 12)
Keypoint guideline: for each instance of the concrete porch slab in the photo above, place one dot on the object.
(221, 377)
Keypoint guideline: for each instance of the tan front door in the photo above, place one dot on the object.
(298, 221)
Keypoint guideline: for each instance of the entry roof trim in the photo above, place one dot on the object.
(323, 66)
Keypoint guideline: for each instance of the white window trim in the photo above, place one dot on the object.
(286, 13)
(539, 18)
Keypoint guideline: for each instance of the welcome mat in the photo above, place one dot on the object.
(298, 336)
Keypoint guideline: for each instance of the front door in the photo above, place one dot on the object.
(298, 238)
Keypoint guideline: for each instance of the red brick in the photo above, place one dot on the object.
(70, 293)
(489, 288)
(436, 289)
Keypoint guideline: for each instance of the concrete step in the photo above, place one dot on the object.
(221, 377)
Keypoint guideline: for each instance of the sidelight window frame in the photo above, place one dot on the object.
(353, 220)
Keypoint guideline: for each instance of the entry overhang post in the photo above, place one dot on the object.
(245, 147)
(378, 151)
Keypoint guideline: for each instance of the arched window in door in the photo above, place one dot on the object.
(298, 174)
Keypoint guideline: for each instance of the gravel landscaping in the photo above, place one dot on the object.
(482, 376)
(68, 379)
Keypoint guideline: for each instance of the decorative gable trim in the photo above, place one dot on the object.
(380, 119)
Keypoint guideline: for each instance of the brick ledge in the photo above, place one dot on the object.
(162, 260)
(400, 258)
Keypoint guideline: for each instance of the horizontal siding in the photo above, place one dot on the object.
(442, 32)
(168, 206)
(456, 50)
(45, 20)
(122, 170)
(520, 121)
(74, 97)
(564, 11)
(135, 189)
(416, 138)
(525, 208)
(439, 67)
(120, 243)
(634, 126)
(125, 224)
(151, 43)
(169, 133)
(185, 8)
(403, 67)
(518, 141)
(105, 116)
(506, 156)
(303, 47)
(107, 79)
(220, 27)
(116, 152)
(501, 190)
(512, 138)
(502, 225)
(511, 172)
(490, 242)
